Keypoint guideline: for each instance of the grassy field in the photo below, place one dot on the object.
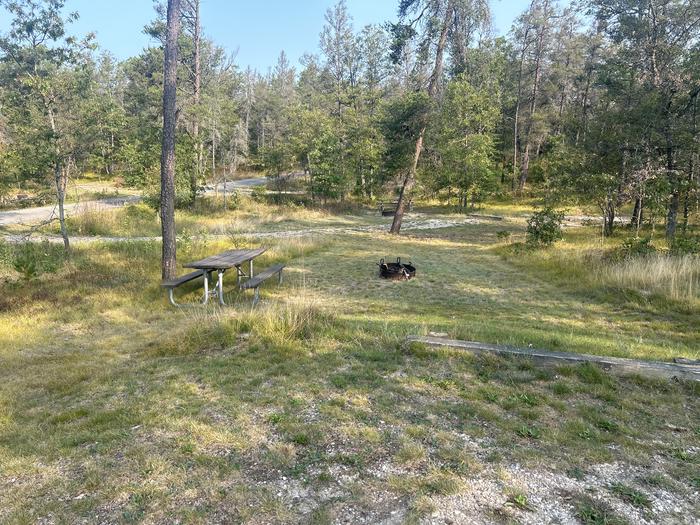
(115, 408)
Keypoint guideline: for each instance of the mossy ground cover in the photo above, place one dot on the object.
(312, 408)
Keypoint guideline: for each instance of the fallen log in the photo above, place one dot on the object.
(615, 364)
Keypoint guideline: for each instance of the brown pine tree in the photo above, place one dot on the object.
(167, 168)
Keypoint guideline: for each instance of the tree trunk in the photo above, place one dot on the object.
(583, 128)
(674, 202)
(517, 103)
(213, 154)
(167, 168)
(407, 188)
(638, 213)
(196, 177)
(609, 224)
(563, 87)
(410, 180)
(60, 179)
(525, 166)
(692, 166)
(225, 190)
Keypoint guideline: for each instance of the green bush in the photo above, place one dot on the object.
(183, 197)
(544, 227)
(6, 255)
(503, 235)
(33, 259)
(632, 248)
(685, 246)
(233, 200)
(259, 194)
(139, 213)
(211, 205)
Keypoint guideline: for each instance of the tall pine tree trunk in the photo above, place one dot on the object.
(167, 167)
(673, 179)
(518, 101)
(674, 201)
(692, 166)
(539, 56)
(410, 180)
(197, 175)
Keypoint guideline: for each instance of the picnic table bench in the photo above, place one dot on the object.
(255, 282)
(171, 284)
(221, 263)
(388, 209)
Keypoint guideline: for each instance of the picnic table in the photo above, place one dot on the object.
(222, 262)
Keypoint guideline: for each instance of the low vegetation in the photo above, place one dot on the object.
(313, 407)
(548, 195)
(610, 268)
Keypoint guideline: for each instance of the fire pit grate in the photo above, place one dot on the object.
(397, 271)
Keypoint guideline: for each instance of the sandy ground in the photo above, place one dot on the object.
(415, 222)
(32, 216)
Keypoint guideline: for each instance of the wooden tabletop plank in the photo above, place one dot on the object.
(226, 260)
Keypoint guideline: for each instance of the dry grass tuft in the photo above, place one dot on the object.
(675, 277)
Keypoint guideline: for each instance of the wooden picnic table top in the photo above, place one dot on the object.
(226, 260)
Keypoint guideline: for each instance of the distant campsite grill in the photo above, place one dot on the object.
(396, 271)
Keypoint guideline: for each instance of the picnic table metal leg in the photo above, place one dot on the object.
(220, 287)
(256, 297)
(205, 300)
(171, 296)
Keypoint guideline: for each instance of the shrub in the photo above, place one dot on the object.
(32, 259)
(6, 256)
(503, 235)
(544, 227)
(139, 213)
(259, 194)
(208, 206)
(632, 248)
(233, 200)
(685, 246)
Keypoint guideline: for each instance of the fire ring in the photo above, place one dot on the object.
(397, 271)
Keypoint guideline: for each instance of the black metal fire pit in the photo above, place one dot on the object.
(397, 271)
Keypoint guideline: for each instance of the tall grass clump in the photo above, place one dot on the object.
(296, 248)
(96, 220)
(674, 277)
(93, 220)
(286, 325)
(636, 267)
(274, 326)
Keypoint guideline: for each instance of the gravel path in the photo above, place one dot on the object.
(30, 216)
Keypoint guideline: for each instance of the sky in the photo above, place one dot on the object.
(256, 30)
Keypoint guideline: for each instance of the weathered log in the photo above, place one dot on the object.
(614, 364)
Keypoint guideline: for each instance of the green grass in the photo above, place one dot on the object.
(312, 406)
(630, 495)
(592, 512)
